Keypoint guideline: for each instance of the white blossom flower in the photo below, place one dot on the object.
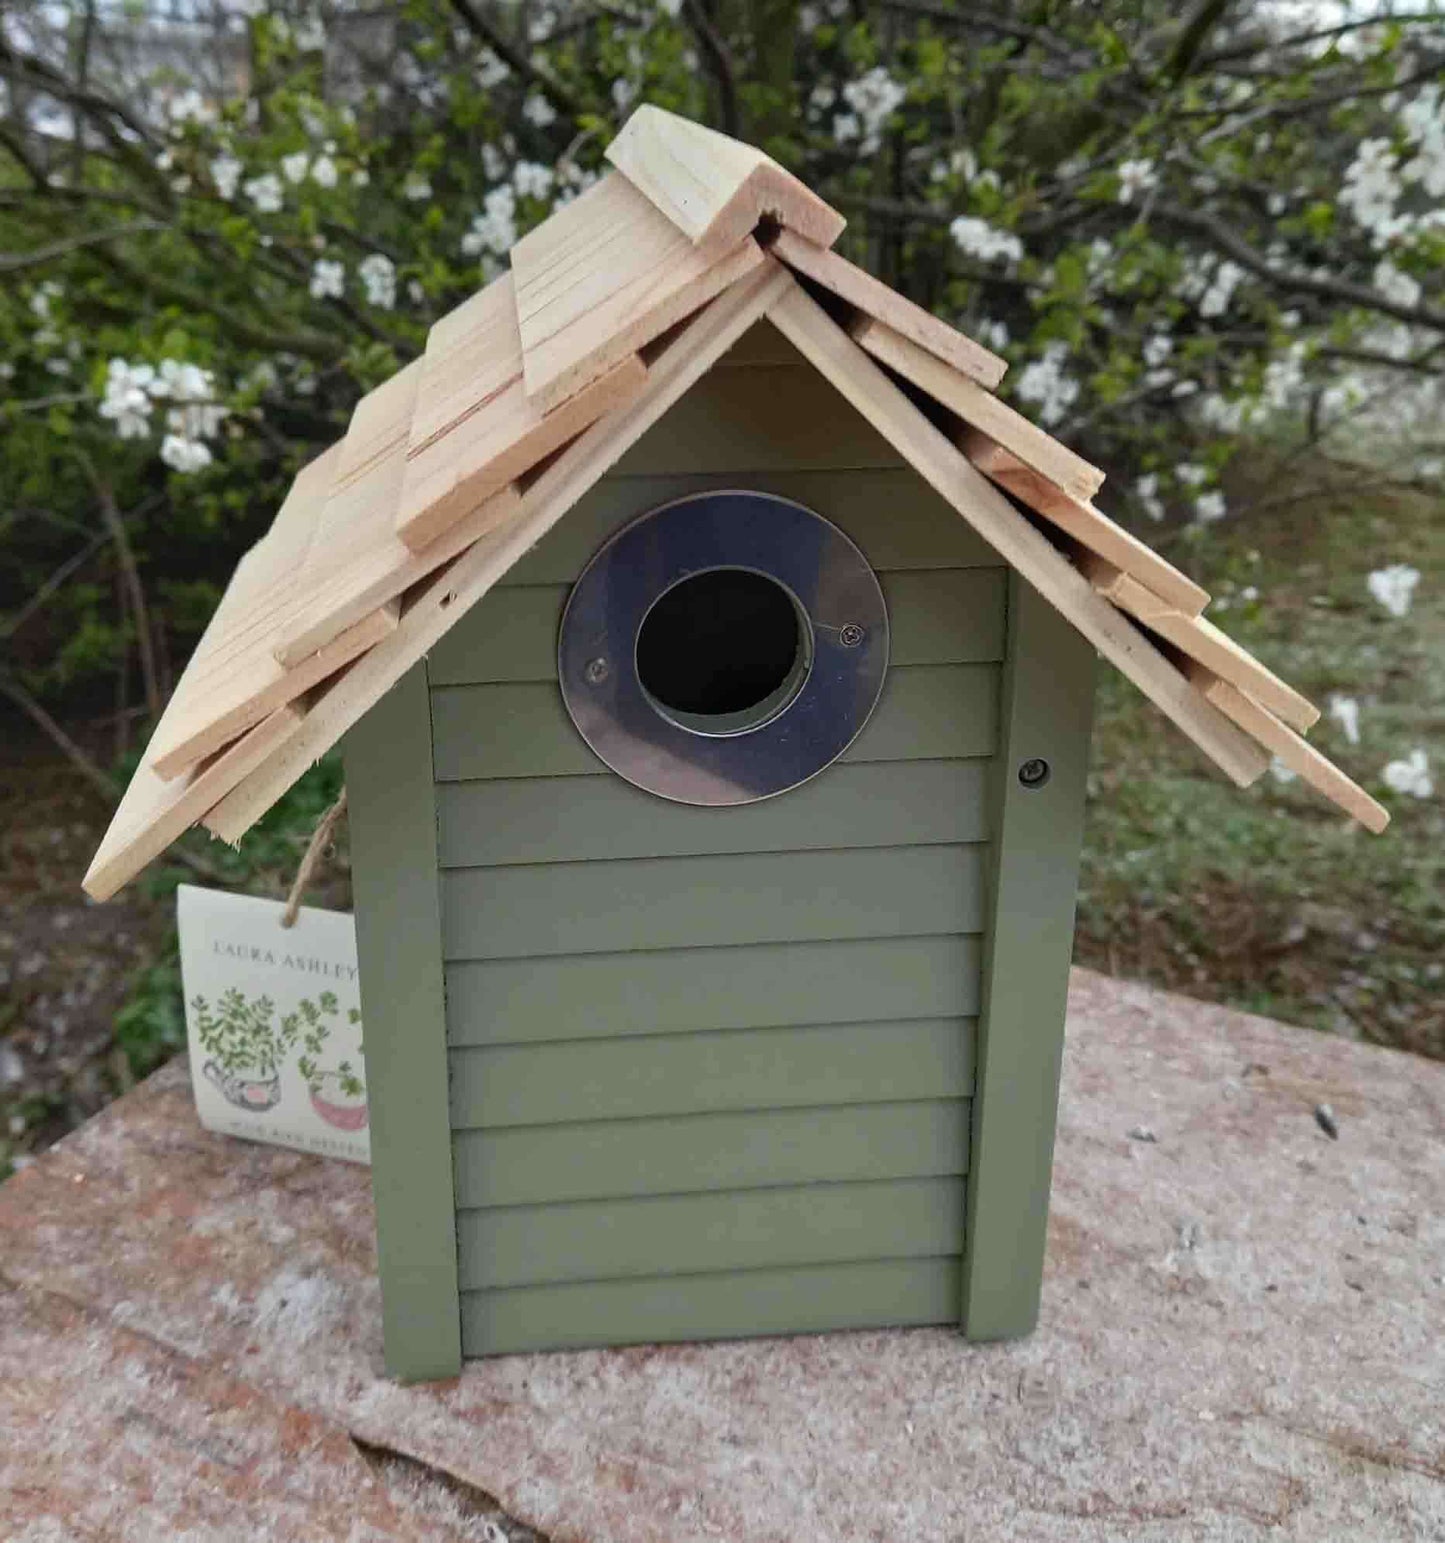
(1372, 189)
(494, 163)
(293, 166)
(184, 455)
(1280, 772)
(1146, 489)
(538, 111)
(416, 188)
(1157, 349)
(977, 238)
(822, 97)
(846, 128)
(377, 273)
(328, 279)
(494, 230)
(190, 107)
(1411, 776)
(360, 178)
(531, 179)
(416, 291)
(1345, 711)
(1395, 286)
(1191, 474)
(874, 98)
(126, 401)
(1136, 177)
(1215, 300)
(1394, 587)
(311, 35)
(491, 70)
(196, 420)
(323, 171)
(226, 173)
(42, 296)
(624, 93)
(1423, 120)
(1209, 507)
(1044, 382)
(264, 192)
(993, 334)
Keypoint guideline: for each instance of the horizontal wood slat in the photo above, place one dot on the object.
(605, 275)
(1083, 523)
(620, 1079)
(733, 421)
(979, 407)
(1201, 641)
(809, 1299)
(898, 521)
(551, 819)
(926, 712)
(874, 298)
(1294, 751)
(713, 188)
(682, 902)
(690, 1234)
(671, 991)
(692, 1154)
(942, 616)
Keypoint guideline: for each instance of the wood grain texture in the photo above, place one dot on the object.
(978, 407)
(874, 298)
(1048, 570)
(1083, 523)
(1048, 708)
(688, 1234)
(713, 188)
(394, 877)
(697, 990)
(1201, 641)
(807, 1300)
(433, 610)
(1296, 753)
(474, 429)
(812, 1066)
(927, 712)
(939, 616)
(688, 1154)
(356, 561)
(550, 819)
(155, 812)
(603, 277)
(233, 680)
(682, 902)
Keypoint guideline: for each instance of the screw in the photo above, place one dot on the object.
(850, 634)
(1034, 772)
(596, 672)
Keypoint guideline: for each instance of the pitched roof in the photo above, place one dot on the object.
(612, 309)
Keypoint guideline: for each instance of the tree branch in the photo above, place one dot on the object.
(72, 752)
(12, 262)
(1225, 240)
(478, 25)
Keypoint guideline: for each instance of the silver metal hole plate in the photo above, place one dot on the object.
(837, 593)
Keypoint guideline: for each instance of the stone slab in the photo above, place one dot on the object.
(1241, 1339)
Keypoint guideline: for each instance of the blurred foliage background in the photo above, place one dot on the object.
(1210, 241)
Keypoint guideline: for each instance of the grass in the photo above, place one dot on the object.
(1269, 899)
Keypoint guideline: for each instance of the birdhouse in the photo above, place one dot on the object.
(712, 652)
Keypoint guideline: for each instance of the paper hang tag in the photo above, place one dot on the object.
(273, 1020)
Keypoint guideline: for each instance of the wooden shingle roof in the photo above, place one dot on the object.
(612, 309)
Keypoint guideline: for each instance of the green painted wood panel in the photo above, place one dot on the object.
(778, 417)
(620, 1079)
(1049, 696)
(926, 712)
(688, 1154)
(557, 819)
(810, 1299)
(936, 616)
(897, 520)
(690, 902)
(669, 991)
(394, 879)
(688, 1234)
